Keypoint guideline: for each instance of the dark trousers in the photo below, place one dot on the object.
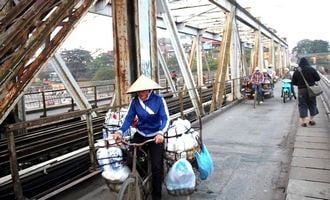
(156, 154)
(258, 87)
(292, 90)
(306, 103)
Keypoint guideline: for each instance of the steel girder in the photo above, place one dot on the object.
(31, 31)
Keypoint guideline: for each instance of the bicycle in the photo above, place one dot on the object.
(135, 187)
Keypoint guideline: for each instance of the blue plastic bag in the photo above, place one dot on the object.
(204, 162)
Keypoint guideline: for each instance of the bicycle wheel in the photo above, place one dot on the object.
(284, 97)
(130, 191)
(255, 97)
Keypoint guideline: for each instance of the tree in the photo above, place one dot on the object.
(77, 61)
(307, 46)
(101, 68)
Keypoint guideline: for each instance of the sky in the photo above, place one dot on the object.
(93, 33)
(294, 19)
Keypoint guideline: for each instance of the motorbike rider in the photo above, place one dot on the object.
(287, 75)
(257, 79)
(272, 73)
(268, 77)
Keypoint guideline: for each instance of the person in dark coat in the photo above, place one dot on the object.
(306, 103)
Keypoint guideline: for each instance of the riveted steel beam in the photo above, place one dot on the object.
(122, 41)
(245, 17)
(182, 60)
(224, 56)
(46, 30)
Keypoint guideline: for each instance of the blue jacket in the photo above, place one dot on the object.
(153, 115)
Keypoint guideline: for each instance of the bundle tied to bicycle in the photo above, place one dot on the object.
(181, 140)
(110, 154)
(183, 152)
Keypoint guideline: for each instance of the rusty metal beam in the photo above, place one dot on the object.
(121, 51)
(44, 40)
(220, 79)
(182, 60)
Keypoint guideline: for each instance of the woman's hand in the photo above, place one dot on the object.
(116, 136)
(159, 139)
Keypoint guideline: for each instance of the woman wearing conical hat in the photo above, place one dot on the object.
(153, 120)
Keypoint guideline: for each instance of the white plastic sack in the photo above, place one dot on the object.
(115, 118)
(119, 174)
(103, 159)
(116, 157)
(182, 136)
(109, 158)
(110, 161)
(181, 126)
(180, 176)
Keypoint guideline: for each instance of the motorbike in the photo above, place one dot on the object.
(286, 90)
(267, 88)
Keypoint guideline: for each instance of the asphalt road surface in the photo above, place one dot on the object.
(251, 150)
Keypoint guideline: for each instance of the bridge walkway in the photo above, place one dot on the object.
(310, 166)
(260, 154)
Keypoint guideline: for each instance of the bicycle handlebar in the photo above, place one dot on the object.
(137, 144)
(110, 126)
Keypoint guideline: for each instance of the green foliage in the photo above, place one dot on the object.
(212, 62)
(103, 74)
(77, 61)
(101, 68)
(307, 46)
(84, 67)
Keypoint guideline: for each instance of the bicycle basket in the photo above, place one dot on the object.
(181, 192)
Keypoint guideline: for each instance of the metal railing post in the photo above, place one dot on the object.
(95, 97)
(44, 109)
(14, 166)
(72, 104)
(181, 103)
(89, 124)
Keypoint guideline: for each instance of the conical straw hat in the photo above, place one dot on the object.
(143, 83)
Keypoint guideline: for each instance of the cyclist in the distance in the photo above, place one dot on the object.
(153, 121)
(257, 79)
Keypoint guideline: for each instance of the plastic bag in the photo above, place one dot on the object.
(181, 137)
(204, 162)
(180, 176)
(120, 174)
(109, 158)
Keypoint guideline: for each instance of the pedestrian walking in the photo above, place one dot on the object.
(305, 102)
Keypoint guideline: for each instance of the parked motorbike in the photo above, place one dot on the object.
(286, 90)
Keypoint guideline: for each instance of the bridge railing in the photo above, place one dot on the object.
(59, 141)
(99, 94)
(54, 99)
(325, 85)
